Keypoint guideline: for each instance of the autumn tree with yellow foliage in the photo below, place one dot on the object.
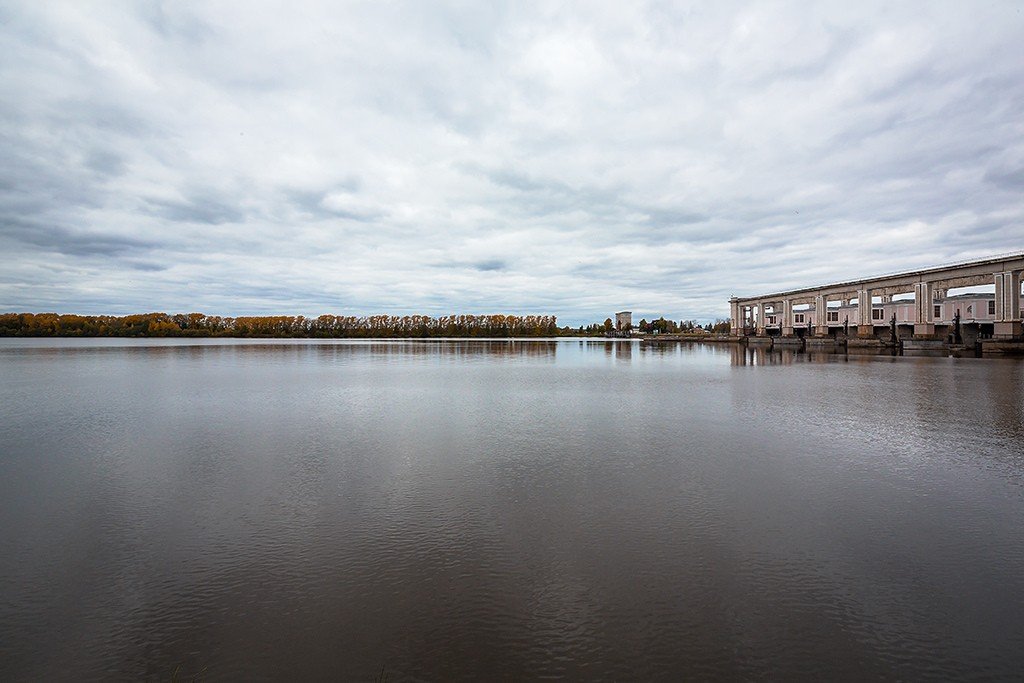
(324, 326)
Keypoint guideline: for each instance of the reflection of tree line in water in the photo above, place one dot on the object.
(441, 347)
(284, 326)
(524, 347)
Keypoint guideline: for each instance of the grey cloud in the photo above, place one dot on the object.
(312, 204)
(840, 44)
(669, 217)
(483, 265)
(33, 181)
(174, 23)
(308, 202)
(518, 181)
(83, 117)
(148, 267)
(548, 197)
(196, 209)
(51, 238)
(494, 264)
(1012, 179)
(105, 163)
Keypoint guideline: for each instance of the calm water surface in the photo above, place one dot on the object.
(451, 510)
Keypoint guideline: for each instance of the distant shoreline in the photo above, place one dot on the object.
(200, 325)
(329, 326)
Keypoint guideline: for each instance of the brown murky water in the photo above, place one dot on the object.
(516, 510)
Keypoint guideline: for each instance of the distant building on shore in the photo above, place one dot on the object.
(623, 321)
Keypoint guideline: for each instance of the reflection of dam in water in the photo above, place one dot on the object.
(760, 356)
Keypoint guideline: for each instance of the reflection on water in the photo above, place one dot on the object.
(761, 355)
(740, 354)
(299, 349)
(506, 509)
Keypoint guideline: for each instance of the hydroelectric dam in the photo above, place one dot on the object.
(912, 309)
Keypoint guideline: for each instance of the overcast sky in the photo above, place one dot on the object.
(430, 157)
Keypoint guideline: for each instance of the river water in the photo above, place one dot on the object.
(235, 509)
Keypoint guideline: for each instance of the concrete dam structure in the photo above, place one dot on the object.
(913, 307)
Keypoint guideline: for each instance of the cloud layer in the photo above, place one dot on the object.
(245, 158)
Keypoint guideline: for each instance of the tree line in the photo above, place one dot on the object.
(659, 326)
(662, 326)
(324, 326)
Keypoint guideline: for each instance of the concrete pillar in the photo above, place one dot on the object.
(865, 328)
(787, 318)
(821, 316)
(1007, 321)
(735, 321)
(759, 321)
(924, 311)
